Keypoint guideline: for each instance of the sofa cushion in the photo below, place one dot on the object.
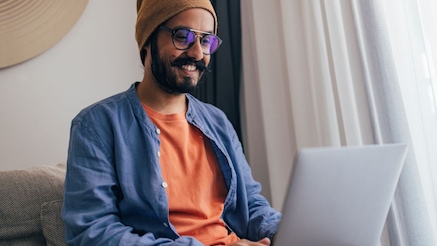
(22, 194)
(51, 222)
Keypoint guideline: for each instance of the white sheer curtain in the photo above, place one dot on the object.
(330, 73)
(413, 38)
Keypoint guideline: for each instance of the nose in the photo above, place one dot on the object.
(196, 51)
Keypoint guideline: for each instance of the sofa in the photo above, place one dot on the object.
(30, 206)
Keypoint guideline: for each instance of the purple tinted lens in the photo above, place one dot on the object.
(183, 38)
(209, 43)
(214, 45)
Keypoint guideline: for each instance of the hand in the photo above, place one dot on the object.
(243, 242)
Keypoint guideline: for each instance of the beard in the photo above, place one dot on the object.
(167, 79)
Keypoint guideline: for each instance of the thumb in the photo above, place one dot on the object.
(265, 241)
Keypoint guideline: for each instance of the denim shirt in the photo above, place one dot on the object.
(115, 193)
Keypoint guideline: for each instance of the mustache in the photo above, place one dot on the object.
(179, 62)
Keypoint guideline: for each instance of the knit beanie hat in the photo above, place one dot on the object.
(152, 13)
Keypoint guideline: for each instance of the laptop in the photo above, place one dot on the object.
(340, 196)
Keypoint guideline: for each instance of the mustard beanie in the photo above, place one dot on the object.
(152, 13)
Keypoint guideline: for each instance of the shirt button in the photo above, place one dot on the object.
(158, 131)
(164, 184)
(158, 153)
(165, 224)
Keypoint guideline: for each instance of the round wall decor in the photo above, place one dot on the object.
(30, 27)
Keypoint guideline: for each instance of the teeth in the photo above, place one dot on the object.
(189, 67)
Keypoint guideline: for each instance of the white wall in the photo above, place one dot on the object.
(38, 98)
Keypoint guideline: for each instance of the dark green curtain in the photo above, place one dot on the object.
(221, 87)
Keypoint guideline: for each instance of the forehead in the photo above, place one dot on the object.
(195, 18)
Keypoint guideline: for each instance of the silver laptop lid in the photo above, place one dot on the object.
(340, 196)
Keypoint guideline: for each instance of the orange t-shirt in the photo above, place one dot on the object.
(196, 188)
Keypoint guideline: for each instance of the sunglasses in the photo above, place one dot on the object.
(184, 38)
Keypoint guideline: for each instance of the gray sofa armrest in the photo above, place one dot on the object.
(22, 195)
(51, 222)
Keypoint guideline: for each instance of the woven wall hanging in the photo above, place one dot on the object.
(30, 27)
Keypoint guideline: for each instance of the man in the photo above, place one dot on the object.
(155, 166)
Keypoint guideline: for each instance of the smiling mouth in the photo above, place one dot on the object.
(189, 67)
(188, 64)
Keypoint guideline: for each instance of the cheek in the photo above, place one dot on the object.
(207, 59)
(166, 52)
(170, 56)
